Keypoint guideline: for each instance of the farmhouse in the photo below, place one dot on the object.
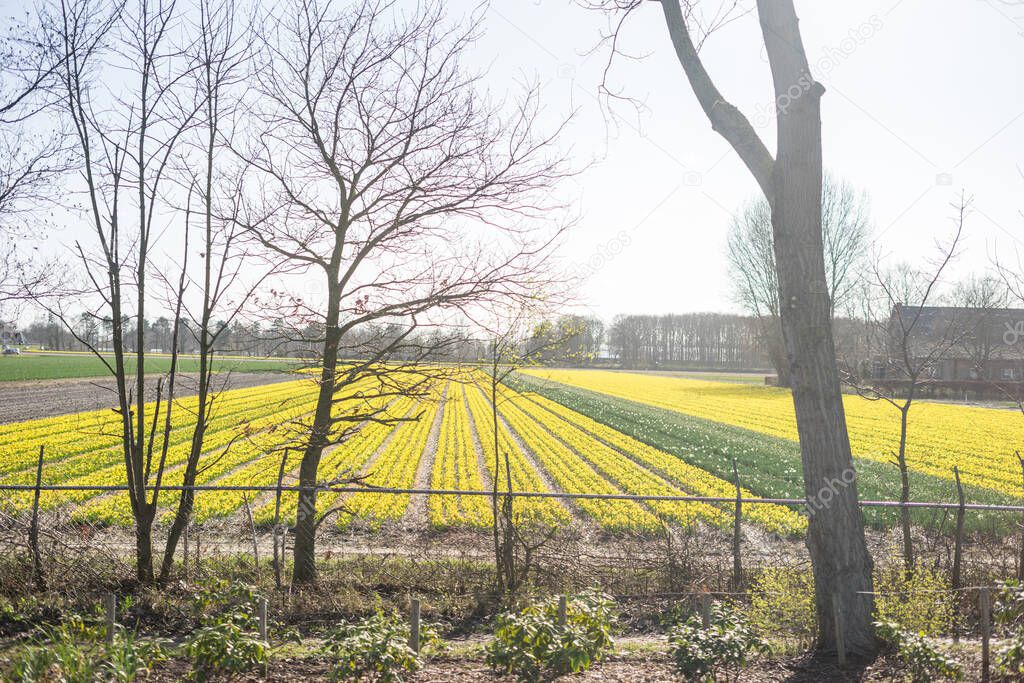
(978, 344)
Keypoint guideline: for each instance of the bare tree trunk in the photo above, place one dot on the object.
(835, 538)
(304, 570)
(901, 462)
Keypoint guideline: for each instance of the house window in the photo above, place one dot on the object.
(1011, 374)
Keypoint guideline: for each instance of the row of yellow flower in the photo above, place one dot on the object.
(693, 480)
(980, 441)
(456, 466)
(69, 438)
(339, 463)
(524, 477)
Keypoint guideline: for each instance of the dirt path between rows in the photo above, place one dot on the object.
(418, 514)
(28, 400)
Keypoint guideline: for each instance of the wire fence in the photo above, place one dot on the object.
(366, 488)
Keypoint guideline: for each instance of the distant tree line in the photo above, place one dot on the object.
(704, 340)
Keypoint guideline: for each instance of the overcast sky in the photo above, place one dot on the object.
(924, 99)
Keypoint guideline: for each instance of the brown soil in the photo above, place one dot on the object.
(652, 667)
(31, 399)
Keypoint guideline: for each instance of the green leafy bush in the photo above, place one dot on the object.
(532, 644)
(76, 651)
(224, 643)
(716, 653)
(376, 648)
(919, 603)
(782, 605)
(923, 660)
(1008, 614)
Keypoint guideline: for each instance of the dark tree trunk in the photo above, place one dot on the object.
(901, 462)
(304, 571)
(835, 538)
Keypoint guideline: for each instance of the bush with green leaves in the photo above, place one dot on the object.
(376, 648)
(924, 661)
(782, 605)
(533, 645)
(77, 651)
(1008, 614)
(718, 652)
(225, 642)
(919, 602)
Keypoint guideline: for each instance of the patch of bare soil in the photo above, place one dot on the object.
(647, 668)
(31, 399)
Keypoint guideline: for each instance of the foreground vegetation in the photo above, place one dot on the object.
(354, 625)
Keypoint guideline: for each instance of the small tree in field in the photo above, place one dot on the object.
(516, 341)
(909, 348)
(381, 173)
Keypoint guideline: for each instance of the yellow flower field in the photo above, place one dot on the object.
(980, 441)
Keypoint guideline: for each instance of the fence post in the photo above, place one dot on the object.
(111, 609)
(278, 536)
(986, 630)
(33, 530)
(705, 609)
(263, 619)
(1020, 559)
(737, 561)
(184, 550)
(837, 618)
(414, 626)
(562, 608)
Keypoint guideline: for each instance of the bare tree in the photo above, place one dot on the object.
(381, 169)
(751, 254)
(127, 130)
(912, 341)
(33, 155)
(791, 182)
(221, 49)
(517, 338)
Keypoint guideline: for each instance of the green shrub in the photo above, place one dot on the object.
(919, 603)
(716, 653)
(76, 651)
(224, 648)
(532, 645)
(923, 660)
(782, 605)
(376, 648)
(224, 643)
(1008, 614)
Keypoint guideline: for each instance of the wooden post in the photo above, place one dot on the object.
(705, 609)
(255, 542)
(562, 606)
(986, 631)
(1020, 559)
(111, 609)
(737, 562)
(263, 620)
(184, 549)
(278, 536)
(837, 618)
(414, 626)
(33, 530)
(958, 548)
